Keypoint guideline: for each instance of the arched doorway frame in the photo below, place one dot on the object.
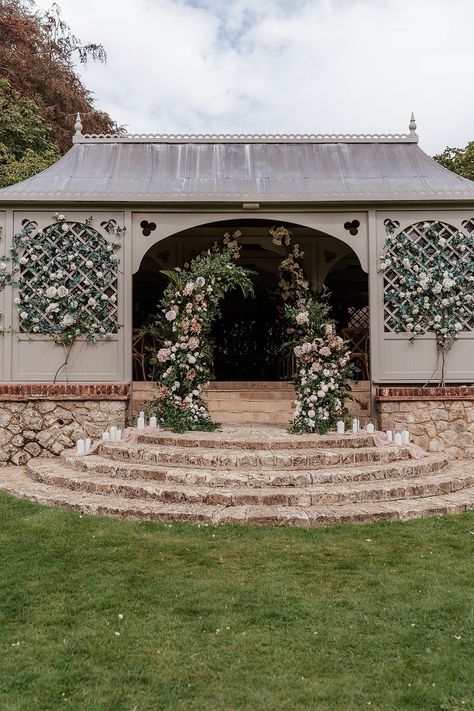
(332, 225)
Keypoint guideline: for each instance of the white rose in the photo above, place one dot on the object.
(200, 281)
(51, 292)
(89, 264)
(62, 291)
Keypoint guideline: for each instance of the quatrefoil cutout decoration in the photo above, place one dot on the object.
(29, 224)
(391, 226)
(352, 227)
(109, 226)
(147, 227)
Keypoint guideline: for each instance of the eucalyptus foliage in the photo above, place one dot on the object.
(190, 305)
(323, 367)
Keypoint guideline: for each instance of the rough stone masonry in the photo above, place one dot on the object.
(42, 420)
(438, 419)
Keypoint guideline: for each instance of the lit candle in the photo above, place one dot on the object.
(340, 427)
(153, 421)
(370, 428)
(390, 435)
(80, 446)
(397, 438)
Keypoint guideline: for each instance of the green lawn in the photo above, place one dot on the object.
(356, 617)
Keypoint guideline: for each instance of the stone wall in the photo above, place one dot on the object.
(438, 419)
(42, 420)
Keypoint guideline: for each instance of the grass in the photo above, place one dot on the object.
(233, 618)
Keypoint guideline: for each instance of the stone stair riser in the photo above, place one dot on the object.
(306, 442)
(15, 482)
(254, 479)
(243, 459)
(403, 490)
(216, 407)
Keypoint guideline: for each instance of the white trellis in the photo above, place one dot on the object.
(429, 236)
(68, 277)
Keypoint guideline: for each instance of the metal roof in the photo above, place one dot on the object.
(241, 168)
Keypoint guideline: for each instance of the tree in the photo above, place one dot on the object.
(25, 147)
(37, 54)
(458, 160)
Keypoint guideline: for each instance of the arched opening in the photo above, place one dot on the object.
(248, 337)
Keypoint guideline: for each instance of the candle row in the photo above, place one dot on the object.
(341, 428)
(402, 437)
(83, 445)
(113, 434)
(141, 421)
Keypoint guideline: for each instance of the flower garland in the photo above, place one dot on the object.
(188, 309)
(323, 367)
(436, 283)
(65, 283)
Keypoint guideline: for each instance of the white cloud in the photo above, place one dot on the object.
(283, 65)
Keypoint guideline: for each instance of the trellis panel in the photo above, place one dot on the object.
(35, 357)
(399, 360)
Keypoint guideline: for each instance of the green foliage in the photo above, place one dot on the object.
(233, 618)
(458, 160)
(63, 274)
(38, 52)
(435, 282)
(25, 147)
(323, 364)
(190, 305)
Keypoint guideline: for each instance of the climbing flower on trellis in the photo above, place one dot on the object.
(429, 281)
(66, 277)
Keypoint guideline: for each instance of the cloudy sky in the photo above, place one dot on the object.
(268, 66)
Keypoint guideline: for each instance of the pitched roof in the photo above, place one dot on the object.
(144, 168)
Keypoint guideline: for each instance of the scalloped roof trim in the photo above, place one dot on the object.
(411, 137)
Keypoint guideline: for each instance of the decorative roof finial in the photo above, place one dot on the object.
(78, 125)
(412, 124)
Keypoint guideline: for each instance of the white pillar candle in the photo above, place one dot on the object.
(118, 435)
(141, 422)
(340, 427)
(389, 434)
(105, 436)
(80, 446)
(397, 438)
(370, 428)
(153, 421)
(88, 444)
(405, 437)
(355, 425)
(113, 433)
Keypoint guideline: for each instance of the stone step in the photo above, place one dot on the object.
(250, 395)
(54, 473)
(254, 418)
(259, 438)
(209, 458)
(250, 406)
(15, 481)
(254, 385)
(254, 478)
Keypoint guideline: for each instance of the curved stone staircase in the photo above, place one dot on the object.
(248, 475)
